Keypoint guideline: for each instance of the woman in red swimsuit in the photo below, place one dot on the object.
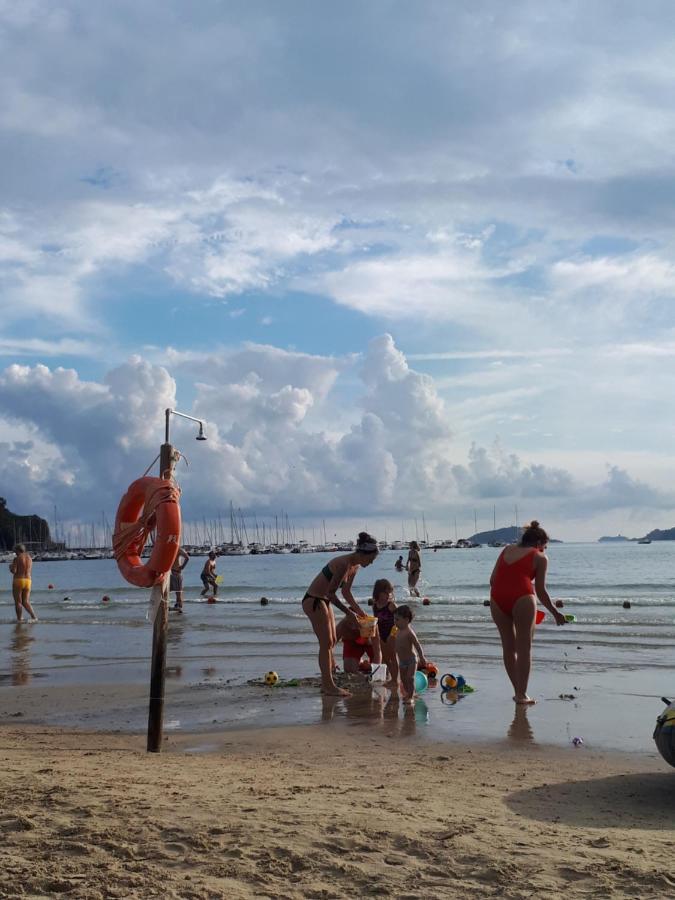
(519, 574)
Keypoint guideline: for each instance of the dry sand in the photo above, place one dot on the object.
(328, 811)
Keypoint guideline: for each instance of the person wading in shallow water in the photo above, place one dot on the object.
(21, 568)
(316, 604)
(208, 576)
(176, 580)
(519, 574)
(414, 567)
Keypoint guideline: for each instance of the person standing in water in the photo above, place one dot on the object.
(322, 592)
(176, 580)
(414, 567)
(518, 578)
(21, 568)
(208, 576)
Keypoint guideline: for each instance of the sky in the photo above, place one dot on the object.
(402, 259)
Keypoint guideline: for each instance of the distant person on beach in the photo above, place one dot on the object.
(176, 580)
(208, 576)
(384, 609)
(414, 567)
(518, 578)
(21, 568)
(398, 565)
(409, 652)
(316, 604)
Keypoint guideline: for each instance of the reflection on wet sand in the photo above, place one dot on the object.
(520, 729)
(377, 706)
(20, 649)
(174, 638)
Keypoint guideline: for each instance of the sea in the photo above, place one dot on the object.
(600, 679)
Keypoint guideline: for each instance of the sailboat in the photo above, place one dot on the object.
(494, 528)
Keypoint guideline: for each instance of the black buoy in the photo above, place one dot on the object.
(264, 601)
(626, 604)
(486, 602)
(664, 733)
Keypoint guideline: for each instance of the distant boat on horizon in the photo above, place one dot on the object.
(645, 540)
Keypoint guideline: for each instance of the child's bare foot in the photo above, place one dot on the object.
(524, 700)
(335, 691)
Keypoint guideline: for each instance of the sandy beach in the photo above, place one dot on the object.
(328, 811)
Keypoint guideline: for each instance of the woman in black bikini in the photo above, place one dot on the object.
(316, 604)
(414, 567)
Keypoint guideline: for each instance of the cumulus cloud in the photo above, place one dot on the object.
(500, 182)
(396, 456)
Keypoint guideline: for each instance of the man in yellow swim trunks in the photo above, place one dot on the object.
(21, 567)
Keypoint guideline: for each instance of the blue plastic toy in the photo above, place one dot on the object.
(421, 682)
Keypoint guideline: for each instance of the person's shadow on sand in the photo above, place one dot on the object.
(642, 800)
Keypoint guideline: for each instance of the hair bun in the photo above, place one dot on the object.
(533, 524)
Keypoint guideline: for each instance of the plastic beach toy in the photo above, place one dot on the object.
(539, 617)
(421, 681)
(271, 678)
(449, 682)
(570, 618)
(367, 626)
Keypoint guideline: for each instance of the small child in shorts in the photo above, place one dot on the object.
(409, 652)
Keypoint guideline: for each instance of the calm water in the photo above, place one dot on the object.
(610, 650)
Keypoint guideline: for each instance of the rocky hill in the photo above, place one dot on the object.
(658, 534)
(15, 529)
(508, 535)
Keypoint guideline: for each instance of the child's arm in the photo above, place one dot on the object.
(418, 647)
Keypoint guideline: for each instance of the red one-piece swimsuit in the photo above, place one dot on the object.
(512, 581)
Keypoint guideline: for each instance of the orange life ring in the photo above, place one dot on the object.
(149, 503)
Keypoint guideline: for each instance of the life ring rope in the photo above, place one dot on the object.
(149, 504)
(136, 533)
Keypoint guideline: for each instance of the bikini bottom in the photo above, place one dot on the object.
(316, 600)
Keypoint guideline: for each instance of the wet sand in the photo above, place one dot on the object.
(328, 811)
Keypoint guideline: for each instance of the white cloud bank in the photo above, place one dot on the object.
(397, 458)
